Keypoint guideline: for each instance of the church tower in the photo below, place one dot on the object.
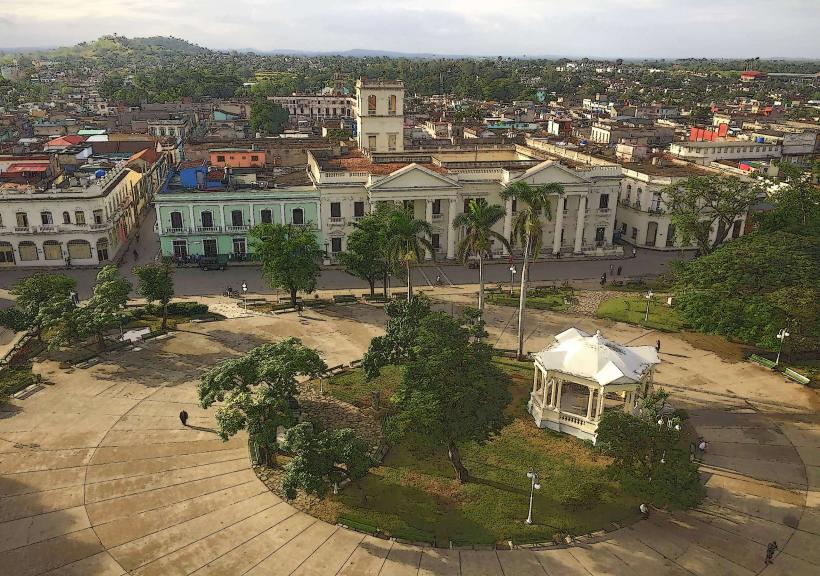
(380, 115)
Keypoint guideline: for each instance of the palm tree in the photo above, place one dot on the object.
(528, 229)
(478, 222)
(407, 241)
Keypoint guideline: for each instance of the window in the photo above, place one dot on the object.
(603, 201)
(628, 192)
(623, 227)
(267, 216)
(22, 220)
(220, 158)
(79, 218)
(298, 216)
(514, 207)
(176, 219)
(435, 240)
(436, 206)
(207, 219)
(358, 209)
(634, 233)
(391, 104)
(52, 250)
(79, 249)
(670, 235)
(66, 218)
(467, 205)
(6, 253)
(46, 218)
(254, 158)
(391, 142)
(28, 251)
(335, 209)
(335, 245)
(600, 231)
(371, 104)
(98, 217)
(180, 248)
(371, 141)
(209, 247)
(240, 246)
(237, 218)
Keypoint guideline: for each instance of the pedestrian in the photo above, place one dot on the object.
(603, 278)
(619, 270)
(634, 252)
(136, 255)
(68, 262)
(770, 550)
(658, 345)
(610, 269)
(183, 417)
(702, 445)
(644, 510)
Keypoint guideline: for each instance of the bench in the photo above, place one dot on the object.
(762, 361)
(344, 299)
(796, 376)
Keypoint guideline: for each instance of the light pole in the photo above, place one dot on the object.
(534, 485)
(782, 335)
(513, 272)
(245, 294)
(648, 297)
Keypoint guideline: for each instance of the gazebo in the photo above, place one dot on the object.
(580, 376)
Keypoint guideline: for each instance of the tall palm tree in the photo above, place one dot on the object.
(478, 222)
(533, 203)
(407, 241)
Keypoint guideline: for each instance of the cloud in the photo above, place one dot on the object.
(616, 28)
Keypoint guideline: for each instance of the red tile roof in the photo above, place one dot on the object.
(148, 155)
(27, 167)
(65, 141)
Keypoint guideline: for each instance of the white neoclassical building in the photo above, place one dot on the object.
(579, 377)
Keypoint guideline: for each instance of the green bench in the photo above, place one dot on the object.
(344, 299)
(762, 361)
(796, 376)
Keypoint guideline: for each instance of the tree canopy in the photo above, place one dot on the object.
(400, 330)
(366, 256)
(290, 256)
(32, 293)
(268, 117)
(156, 284)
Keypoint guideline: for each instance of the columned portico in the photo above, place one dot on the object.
(579, 225)
(559, 224)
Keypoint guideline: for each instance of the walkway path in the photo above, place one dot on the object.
(97, 477)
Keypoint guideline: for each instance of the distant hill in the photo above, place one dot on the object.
(106, 46)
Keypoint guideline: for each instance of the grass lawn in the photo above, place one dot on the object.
(632, 309)
(537, 298)
(15, 379)
(414, 494)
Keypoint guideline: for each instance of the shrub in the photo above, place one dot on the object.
(179, 309)
(581, 493)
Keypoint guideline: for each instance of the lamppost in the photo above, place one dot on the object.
(534, 485)
(245, 294)
(648, 297)
(513, 272)
(782, 335)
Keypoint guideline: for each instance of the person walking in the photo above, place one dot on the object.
(610, 268)
(620, 268)
(634, 252)
(658, 346)
(183, 417)
(644, 510)
(770, 550)
(603, 278)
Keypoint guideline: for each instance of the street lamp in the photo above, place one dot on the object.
(648, 297)
(534, 485)
(782, 335)
(245, 294)
(513, 272)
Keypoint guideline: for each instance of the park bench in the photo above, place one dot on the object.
(255, 301)
(796, 376)
(762, 361)
(344, 299)
(374, 298)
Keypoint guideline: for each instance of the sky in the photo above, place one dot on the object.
(608, 28)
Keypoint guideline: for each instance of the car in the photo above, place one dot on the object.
(213, 262)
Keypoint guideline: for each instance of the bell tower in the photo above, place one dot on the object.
(380, 115)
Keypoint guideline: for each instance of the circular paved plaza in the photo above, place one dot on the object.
(98, 477)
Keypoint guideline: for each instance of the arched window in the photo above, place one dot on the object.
(66, 218)
(176, 220)
(371, 104)
(298, 216)
(267, 217)
(79, 249)
(28, 251)
(52, 250)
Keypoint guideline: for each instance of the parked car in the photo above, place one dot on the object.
(214, 262)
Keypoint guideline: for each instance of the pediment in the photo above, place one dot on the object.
(549, 172)
(414, 176)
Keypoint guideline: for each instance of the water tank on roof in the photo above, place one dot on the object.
(99, 173)
(760, 140)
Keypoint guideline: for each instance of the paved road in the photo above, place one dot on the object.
(97, 477)
(195, 282)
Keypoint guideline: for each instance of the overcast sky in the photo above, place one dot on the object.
(614, 28)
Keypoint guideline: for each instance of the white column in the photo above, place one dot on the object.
(579, 225)
(451, 233)
(250, 213)
(193, 222)
(159, 219)
(589, 404)
(282, 212)
(559, 224)
(536, 372)
(558, 396)
(428, 216)
(508, 223)
(600, 404)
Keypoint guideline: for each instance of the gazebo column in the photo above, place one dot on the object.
(600, 410)
(558, 396)
(545, 385)
(537, 371)
(589, 403)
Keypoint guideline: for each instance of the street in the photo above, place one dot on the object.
(192, 281)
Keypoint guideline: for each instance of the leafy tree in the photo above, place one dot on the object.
(796, 205)
(407, 240)
(528, 229)
(400, 330)
(156, 284)
(34, 291)
(752, 287)
(59, 319)
(451, 392)
(322, 459)
(366, 256)
(478, 224)
(290, 257)
(268, 117)
(14, 319)
(106, 307)
(698, 203)
(257, 391)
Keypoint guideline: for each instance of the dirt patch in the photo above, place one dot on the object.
(718, 345)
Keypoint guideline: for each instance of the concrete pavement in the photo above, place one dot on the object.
(98, 477)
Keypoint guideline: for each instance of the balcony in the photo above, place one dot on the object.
(209, 229)
(604, 210)
(50, 229)
(236, 228)
(436, 217)
(337, 220)
(100, 226)
(25, 229)
(655, 209)
(358, 218)
(176, 231)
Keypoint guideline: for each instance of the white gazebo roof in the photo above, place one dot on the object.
(595, 358)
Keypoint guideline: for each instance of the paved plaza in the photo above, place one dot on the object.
(98, 477)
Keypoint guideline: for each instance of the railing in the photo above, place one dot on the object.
(49, 229)
(655, 210)
(236, 228)
(209, 229)
(604, 210)
(574, 420)
(436, 217)
(25, 229)
(176, 231)
(101, 226)
(337, 220)
(358, 218)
